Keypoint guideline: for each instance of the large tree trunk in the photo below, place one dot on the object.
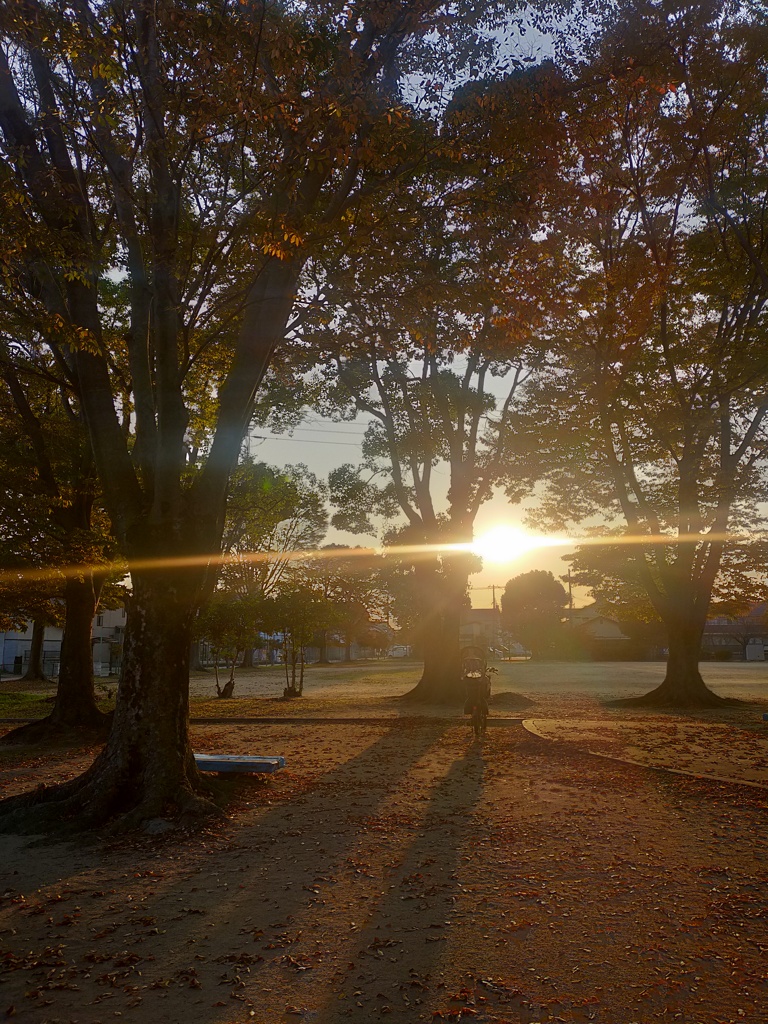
(75, 698)
(440, 681)
(75, 706)
(439, 630)
(146, 770)
(683, 686)
(34, 673)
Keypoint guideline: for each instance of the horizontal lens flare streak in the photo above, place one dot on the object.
(489, 546)
(655, 539)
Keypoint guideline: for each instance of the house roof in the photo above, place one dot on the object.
(480, 614)
(589, 613)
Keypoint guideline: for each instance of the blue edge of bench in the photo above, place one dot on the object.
(238, 763)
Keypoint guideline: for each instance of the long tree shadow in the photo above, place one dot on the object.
(239, 907)
(393, 965)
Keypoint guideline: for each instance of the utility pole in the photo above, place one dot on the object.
(493, 588)
(570, 601)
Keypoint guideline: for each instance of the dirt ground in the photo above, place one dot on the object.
(398, 869)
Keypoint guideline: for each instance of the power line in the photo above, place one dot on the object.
(358, 421)
(303, 440)
(329, 430)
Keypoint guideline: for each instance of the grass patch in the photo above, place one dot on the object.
(21, 704)
(392, 672)
(24, 705)
(106, 694)
(365, 673)
(262, 707)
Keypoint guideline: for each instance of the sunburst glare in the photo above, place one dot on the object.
(508, 543)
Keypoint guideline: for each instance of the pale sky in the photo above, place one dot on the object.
(322, 445)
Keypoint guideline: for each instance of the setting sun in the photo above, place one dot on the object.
(507, 543)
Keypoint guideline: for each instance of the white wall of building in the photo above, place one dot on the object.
(106, 636)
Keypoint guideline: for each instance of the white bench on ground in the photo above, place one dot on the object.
(238, 763)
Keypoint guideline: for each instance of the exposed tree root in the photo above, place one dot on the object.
(186, 808)
(50, 729)
(666, 696)
(108, 797)
(37, 812)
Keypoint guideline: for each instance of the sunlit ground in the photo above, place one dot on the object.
(403, 869)
(393, 676)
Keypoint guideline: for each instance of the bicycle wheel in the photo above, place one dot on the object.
(477, 721)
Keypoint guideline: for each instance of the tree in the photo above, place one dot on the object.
(197, 182)
(422, 415)
(437, 374)
(353, 584)
(297, 615)
(655, 408)
(532, 608)
(230, 624)
(272, 517)
(53, 524)
(613, 573)
(353, 625)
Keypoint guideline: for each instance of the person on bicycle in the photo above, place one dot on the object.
(477, 688)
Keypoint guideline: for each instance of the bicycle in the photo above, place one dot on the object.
(476, 677)
(479, 719)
